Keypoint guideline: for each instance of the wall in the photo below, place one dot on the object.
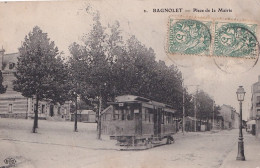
(13, 104)
(255, 111)
(230, 117)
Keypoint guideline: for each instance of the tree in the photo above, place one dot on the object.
(189, 104)
(79, 74)
(115, 67)
(2, 87)
(92, 61)
(41, 73)
(137, 72)
(133, 69)
(96, 45)
(206, 106)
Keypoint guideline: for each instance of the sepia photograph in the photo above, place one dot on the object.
(130, 84)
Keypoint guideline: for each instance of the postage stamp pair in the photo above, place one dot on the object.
(212, 38)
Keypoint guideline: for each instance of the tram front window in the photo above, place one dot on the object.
(123, 113)
(116, 114)
(130, 115)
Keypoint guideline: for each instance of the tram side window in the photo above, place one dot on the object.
(163, 117)
(169, 118)
(126, 113)
(151, 116)
(147, 114)
(143, 114)
(136, 112)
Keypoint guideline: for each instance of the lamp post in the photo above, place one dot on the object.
(213, 121)
(240, 97)
(183, 110)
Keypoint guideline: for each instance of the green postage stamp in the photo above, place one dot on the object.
(189, 37)
(212, 38)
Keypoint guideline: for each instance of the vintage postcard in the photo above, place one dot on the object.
(130, 84)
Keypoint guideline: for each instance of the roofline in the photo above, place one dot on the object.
(11, 53)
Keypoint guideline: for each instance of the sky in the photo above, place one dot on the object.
(66, 22)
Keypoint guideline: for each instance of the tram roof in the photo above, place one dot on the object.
(132, 99)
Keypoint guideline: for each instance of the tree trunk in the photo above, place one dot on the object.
(207, 124)
(35, 123)
(99, 117)
(200, 124)
(76, 116)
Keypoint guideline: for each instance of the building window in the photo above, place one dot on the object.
(258, 113)
(43, 108)
(232, 115)
(11, 65)
(258, 101)
(51, 110)
(34, 109)
(59, 110)
(10, 108)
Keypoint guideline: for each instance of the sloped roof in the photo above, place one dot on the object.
(9, 58)
(12, 57)
(11, 95)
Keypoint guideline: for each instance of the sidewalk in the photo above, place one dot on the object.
(252, 154)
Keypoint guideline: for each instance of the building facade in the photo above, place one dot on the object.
(85, 116)
(14, 105)
(255, 106)
(230, 117)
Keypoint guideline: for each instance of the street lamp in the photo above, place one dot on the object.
(240, 97)
(213, 122)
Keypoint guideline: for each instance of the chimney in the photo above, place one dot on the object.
(258, 78)
(2, 52)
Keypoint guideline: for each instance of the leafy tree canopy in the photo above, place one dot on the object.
(2, 87)
(40, 70)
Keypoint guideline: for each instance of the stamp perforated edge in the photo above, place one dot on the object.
(214, 20)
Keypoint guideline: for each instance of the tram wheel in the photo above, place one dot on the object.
(170, 140)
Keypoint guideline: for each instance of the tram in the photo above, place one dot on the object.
(139, 123)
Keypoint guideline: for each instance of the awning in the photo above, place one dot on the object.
(251, 122)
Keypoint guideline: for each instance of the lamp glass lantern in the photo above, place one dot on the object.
(240, 93)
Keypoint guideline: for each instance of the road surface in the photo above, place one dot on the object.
(56, 145)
